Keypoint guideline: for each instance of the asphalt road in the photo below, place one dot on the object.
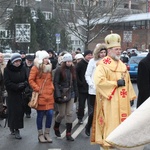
(29, 139)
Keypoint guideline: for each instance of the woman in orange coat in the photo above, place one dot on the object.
(40, 79)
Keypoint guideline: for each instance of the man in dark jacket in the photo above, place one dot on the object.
(82, 84)
(28, 91)
(143, 80)
(52, 58)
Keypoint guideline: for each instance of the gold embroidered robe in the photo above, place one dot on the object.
(112, 104)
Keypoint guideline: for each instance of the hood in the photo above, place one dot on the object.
(97, 49)
(45, 68)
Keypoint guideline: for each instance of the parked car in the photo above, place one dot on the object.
(132, 65)
(133, 49)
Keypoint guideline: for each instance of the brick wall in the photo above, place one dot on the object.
(140, 39)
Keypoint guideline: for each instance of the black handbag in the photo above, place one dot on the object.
(65, 94)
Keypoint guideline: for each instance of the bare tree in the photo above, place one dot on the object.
(83, 16)
(4, 5)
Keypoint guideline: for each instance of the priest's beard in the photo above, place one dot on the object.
(114, 57)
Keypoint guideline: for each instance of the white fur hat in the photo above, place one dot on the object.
(78, 56)
(41, 55)
(37, 54)
(67, 57)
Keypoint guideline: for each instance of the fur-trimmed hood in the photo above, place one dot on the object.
(98, 48)
(45, 68)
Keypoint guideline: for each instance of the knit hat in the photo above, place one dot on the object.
(30, 57)
(14, 57)
(22, 52)
(50, 51)
(43, 54)
(67, 57)
(78, 56)
(86, 52)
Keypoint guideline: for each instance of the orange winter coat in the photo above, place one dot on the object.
(46, 97)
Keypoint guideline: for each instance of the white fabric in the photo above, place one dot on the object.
(89, 76)
(134, 131)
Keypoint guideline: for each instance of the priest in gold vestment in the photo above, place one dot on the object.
(114, 91)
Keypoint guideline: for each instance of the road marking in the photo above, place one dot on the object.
(54, 149)
(78, 130)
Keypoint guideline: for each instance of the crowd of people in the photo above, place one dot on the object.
(97, 77)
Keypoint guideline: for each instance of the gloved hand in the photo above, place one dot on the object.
(26, 83)
(59, 99)
(21, 85)
(121, 82)
(132, 103)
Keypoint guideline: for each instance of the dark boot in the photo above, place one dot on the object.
(17, 134)
(56, 129)
(12, 131)
(68, 132)
(88, 125)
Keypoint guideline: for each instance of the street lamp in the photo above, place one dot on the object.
(57, 41)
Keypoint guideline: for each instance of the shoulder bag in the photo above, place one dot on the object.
(34, 99)
(65, 94)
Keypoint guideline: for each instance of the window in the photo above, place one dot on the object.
(72, 42)
(66, 1)
(8, 13)
(33, 13)
(22, 2)
(48, 15)
(65, 12)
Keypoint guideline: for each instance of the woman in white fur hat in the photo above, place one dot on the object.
(40, 79)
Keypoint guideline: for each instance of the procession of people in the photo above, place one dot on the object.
(98, 78)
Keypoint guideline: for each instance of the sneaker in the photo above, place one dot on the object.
(80, 121)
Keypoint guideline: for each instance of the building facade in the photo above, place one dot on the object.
(139, 29)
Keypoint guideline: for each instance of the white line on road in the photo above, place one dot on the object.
(78, 130)
(54, 149)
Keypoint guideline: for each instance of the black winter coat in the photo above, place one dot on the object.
(28, 89)
(60, 83)
(80, 71)
(12, 77)
(143, 80)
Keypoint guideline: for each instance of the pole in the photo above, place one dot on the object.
(28, 49)
(57, 48)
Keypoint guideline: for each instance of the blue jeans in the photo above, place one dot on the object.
(40, 116)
